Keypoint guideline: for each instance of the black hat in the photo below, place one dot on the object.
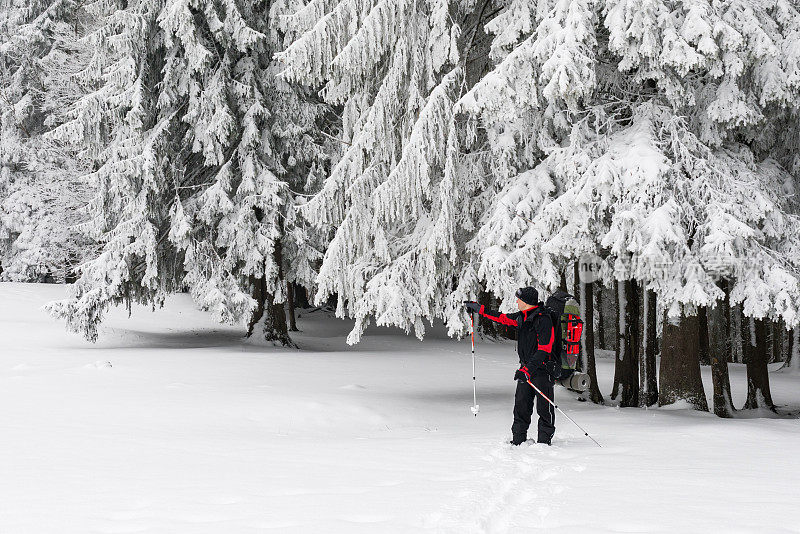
(528, 295)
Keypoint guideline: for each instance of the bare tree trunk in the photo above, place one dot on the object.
(275, 328)
(734, 333)
(601, 330)
(629, 384)
(259, 295)
(758, 394)
(617, 343)
(588, 344)
(679, 373)
(720, 349)
(776, 329)
(648, 393)
(290, 302)
(301, 296)
(272, 314)
(702, 324)
(748, 337)
(576, 280)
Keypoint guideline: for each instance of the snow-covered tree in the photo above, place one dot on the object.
(41, 193)
(399, 200)
(198, 145)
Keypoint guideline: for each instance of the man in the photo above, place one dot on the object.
(535, 336)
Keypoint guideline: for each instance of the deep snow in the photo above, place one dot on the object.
(172, 424)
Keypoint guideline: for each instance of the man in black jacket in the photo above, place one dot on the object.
(535, 336)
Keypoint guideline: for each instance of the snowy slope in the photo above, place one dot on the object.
(171, 424)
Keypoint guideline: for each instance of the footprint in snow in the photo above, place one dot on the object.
(507, 493)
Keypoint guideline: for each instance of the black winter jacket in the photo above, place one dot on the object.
(535, 335)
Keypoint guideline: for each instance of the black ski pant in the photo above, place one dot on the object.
(523, 409)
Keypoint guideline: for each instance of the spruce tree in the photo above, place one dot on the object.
(197, 147)
(399, 201)
(41, 193)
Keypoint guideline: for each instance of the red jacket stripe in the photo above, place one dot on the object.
(549, 346)
(502, 319)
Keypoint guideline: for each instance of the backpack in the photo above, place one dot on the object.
(565, 311)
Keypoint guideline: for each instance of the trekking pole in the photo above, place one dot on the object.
(475, 408)
(585, 433)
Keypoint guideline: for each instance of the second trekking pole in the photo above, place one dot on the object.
(585, 433)
(475, 408)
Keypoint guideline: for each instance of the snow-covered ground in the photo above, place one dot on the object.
(171, 424)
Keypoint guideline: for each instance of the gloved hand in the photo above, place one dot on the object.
(472, 307)
(522, 374)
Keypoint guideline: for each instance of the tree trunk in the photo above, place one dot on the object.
(719, 350)
(259, 295)
(748, 337)
(576, 280)
(618, 335)
(629, 384)
(601, 331)
(734, 335)
(268, 312)
(702, 323)
(648, 392)
(679, 373)
(290, 302)
(758, 394)
(563, 285)
(301, 296)
(777, 341)
(588, 344)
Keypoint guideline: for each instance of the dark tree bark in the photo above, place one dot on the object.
(720, 347)
(588, 344)
(734, 333)
(702, 323)
(600, 317)
(271, 313)
(776, 329)
(758, 394)
(679, 373)
(790, 347)
(301, 297)
(738, 326)
(629, 383)
(259, 295)
(748, 337)
(648, 392)
(576, 280)
(563, 285)
(617, 344)
(290, 303)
